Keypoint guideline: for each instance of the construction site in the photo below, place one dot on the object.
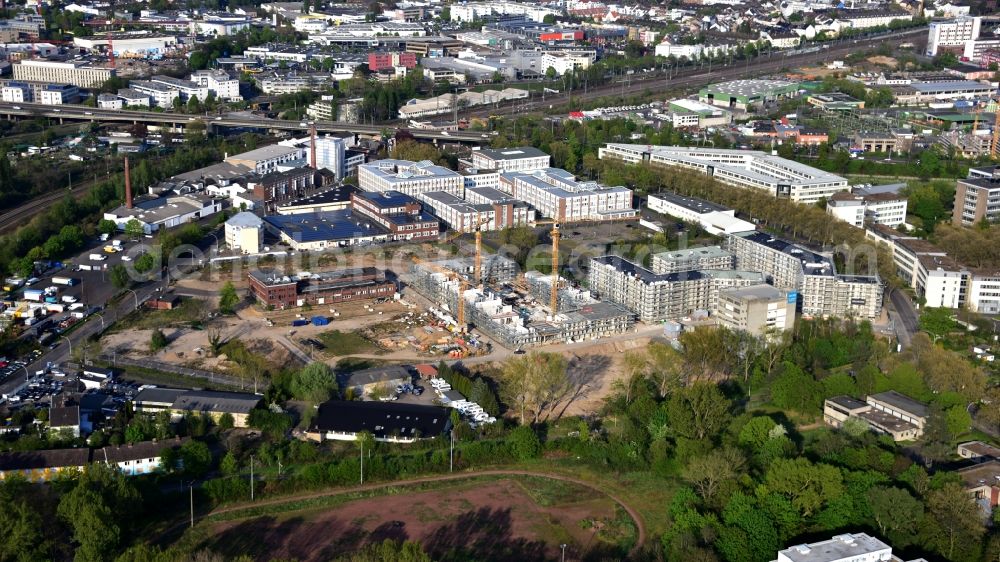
(516, 310)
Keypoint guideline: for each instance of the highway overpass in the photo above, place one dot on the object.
(83, 113)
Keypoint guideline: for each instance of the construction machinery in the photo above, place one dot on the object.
(554, 295)
(996, 134)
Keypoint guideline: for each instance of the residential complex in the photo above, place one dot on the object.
(789, 267)
(401, 215)
(658, 297)
(887, 209)
(462, 216)
(977, 198)
(691, 259)
(556, 194)
(777, 176)
(274, 289)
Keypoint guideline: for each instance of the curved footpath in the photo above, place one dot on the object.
(639, 525)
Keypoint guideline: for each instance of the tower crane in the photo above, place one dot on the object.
(996, 134)
(554, 295)
(478, 268)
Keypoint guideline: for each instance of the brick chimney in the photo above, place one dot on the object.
(128, 186)
(312, 146)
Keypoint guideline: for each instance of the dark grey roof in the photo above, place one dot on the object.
(157, 396)
(373, 376)
(902, 402)
(382, 419)
(847, 402)
(136, 451)
(51, 458)
(65, 416)
(212, 401)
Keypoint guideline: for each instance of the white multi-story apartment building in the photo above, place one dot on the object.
(780, 177)
(888, 209)
(691, 259)
(245, 232)
(15, 92)
(410, 178)
(669, 296)
(977, 198)
(77, 73)
(954, 34)
(520, 159)
(556, 194)
(218, 82)
(462, 216)
(159, 95)
(566, 61)
(186, 88)
(789, 267)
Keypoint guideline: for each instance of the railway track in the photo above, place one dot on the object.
(26, 211)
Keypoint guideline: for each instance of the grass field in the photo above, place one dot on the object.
(346, 343)
(482, 518)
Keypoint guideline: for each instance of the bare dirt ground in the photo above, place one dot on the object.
(883, 61)
(816, 72)
(481, 521)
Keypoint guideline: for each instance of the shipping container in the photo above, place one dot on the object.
(68, 281)
(302, 322)
(320, 321)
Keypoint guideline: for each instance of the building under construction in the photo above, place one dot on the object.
(516, 318)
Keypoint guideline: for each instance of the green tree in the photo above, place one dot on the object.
(108, 227)
(134, 229)
(699, 411)
(958, 419)
(897, 513)
(229, 465)
(196, 458)
(808, 486)
(99, 509)
(226, 421)
(120, 278)
(524, 443)
(23, 537)
(157, 341)
(535, 384)
(228, 298)
(313, 383)
(937, 322)
(709, 472)
(955, 524)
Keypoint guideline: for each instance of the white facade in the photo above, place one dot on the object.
(782, 178)
(52, 97)
(245, 233)
(713, 218)
(75, 73)
(556, 194)
(954, 33)
(218, 82)
(566, 61)
(159, 95)
(856, 547)
(879, 209)
(521, 159)
(409, 178)
(16, 94)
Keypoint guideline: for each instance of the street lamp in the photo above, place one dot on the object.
(191, 489)
(451, 454)
(135, 295)
(563, 548)
(70, 344)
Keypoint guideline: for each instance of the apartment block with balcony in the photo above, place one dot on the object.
(409, 178)
(977, 199)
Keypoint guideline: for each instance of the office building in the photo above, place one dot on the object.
(245, 233)
(669, 296)
(823, 292)
(382, 61)
(275, 289)
(409, 178)
(887, 209)
(777, 176)
(556, 194)
(77, 73)
(521, 159)
(317, 231)
(158, 94)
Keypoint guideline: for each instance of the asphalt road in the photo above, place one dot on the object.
(905, 316)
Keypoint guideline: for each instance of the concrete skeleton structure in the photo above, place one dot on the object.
(754, 169)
